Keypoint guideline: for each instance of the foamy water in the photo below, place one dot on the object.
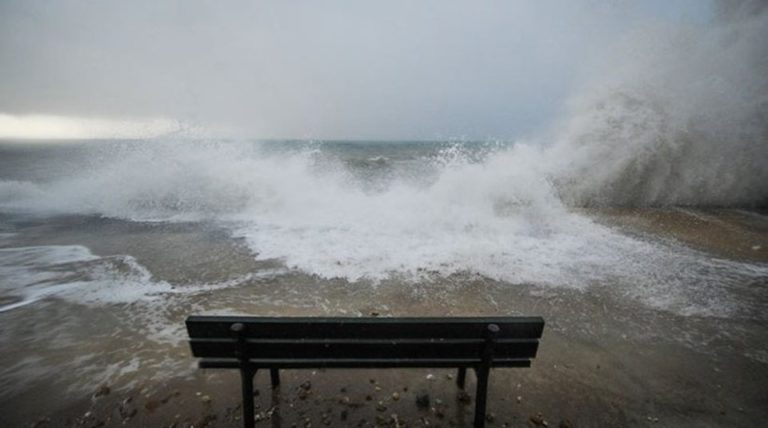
(406, 215)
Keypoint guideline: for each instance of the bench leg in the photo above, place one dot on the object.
(274, 375)
(481, 396)
(462, 377)
(246, 379)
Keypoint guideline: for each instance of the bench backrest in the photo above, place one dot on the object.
(353, 342)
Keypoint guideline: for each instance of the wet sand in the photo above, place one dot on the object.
(737, 234)
(605, 359)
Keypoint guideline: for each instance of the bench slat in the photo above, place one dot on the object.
(350, 348)
(348, 363)
(364, 328)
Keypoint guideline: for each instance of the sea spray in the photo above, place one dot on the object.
(678, 116)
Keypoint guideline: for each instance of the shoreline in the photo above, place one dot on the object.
(606, 358)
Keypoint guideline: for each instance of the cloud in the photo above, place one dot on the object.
(62, 127)
(395, 69)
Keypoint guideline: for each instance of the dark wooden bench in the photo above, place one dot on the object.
(252, 343)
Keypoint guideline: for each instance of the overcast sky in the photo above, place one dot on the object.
(312, 69)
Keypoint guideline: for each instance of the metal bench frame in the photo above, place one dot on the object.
(252, 343)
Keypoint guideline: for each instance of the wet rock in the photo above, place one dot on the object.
(101, 391)
(168, 397)
(395, 420)
(380, 407)
(395, 395)
(464, 398)
(306, 385)
(325, 418)
(422, 401)
(565, 423)
(490, 417)
(151, 405)
(382, 420)
(206, 399)
(303, 394)
(42, 422)
(438, 413)
(126, 410)
(519, 399)
(538, 420)
(266, 414)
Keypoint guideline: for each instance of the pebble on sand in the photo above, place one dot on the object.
(464, 398)
(101, 391)
(538, 420)
(422, 401)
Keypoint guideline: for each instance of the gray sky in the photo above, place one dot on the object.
(313, 69)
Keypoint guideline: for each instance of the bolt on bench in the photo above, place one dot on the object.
(252, 343)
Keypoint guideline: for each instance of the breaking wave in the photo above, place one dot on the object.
(679, 117)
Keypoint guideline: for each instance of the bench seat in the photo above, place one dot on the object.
(252, 343)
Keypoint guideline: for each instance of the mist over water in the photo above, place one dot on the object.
(677, 116)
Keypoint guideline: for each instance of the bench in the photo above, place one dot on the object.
(252, 343)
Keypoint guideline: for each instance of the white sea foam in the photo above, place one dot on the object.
(70, 271)
(501, 217)
(73, 273)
